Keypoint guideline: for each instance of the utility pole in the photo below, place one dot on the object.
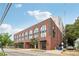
(2, 19)
(5, 12)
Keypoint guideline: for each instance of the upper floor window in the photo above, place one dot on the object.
(22, 34)
(43, 28)
(20, 37)
(53, 33)
(30, 34)
(35, 32)
(26, 35)
(43, 31)
(14, 36)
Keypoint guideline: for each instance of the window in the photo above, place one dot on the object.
(43, 31)
(14, 36)
(30, 34)
(22, 36)
(17, 37)
(35, 32)
(26, 35)
(53, 33)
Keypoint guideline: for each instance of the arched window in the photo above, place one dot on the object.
(35, 32)
(30, 34)
(43, 31)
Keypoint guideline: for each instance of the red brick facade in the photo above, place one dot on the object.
(53, 35)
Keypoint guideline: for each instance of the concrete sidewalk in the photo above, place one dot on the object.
(55, 52)
(58, 52)
(64, 53)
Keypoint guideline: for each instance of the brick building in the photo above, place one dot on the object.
(47, 33)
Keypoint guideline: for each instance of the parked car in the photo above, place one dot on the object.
(70, 48)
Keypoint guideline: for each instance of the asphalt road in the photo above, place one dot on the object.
(12, 52)
(26, 52)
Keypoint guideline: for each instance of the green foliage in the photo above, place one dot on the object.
(78, 47)
(72, 30)
(33, 42)
(69, 32)
(2, 54)
(5, 39)
(77, 43)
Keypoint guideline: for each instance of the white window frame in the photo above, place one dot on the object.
(43, 28)
(30, 34)
(36, 32)
(26, 35)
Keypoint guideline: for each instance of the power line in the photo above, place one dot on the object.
(5, 12)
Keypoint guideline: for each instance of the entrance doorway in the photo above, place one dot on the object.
(27, 45)
(37, 45)
(43, 44)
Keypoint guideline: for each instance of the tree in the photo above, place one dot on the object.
(72, 32)
(77, 43)
(5, 39)
(34, 42)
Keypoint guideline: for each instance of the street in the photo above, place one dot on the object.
(26, 52)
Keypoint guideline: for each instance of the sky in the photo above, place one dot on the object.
(22, 16)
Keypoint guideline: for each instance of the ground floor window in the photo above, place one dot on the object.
(20, 45)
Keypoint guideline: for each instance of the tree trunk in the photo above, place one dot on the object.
(35, 46)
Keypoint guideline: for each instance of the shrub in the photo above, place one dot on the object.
(2, 54)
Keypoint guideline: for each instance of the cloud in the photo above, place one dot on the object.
(9, 28)
(39, 15)
(18, 5)
(5, 28)
(43, 15)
